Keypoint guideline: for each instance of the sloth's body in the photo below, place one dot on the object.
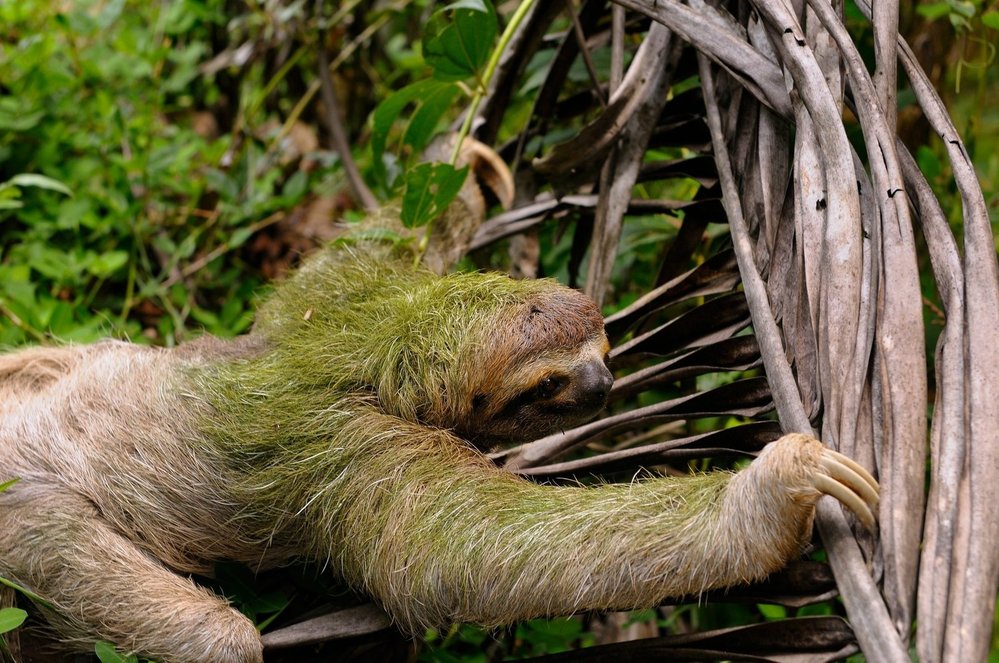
(343, 430)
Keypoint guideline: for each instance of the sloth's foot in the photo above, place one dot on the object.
(851, 484)
(806, 469)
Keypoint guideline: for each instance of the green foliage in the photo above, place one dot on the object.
(119, 215)
(429, 98)
(10, 191)
(976, 29)
(107, 653)
(550, 636)
(771, 612)
(11, 618)
(457, 43)
(101, 99)
(960, 13)
(239, 585)
(536, 637)
(459, 39)
(430, 188)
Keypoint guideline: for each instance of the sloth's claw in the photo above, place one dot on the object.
(850, 483)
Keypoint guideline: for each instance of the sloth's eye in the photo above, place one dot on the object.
(549, 386)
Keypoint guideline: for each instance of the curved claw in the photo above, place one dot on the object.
(847, 471)
(850, 483)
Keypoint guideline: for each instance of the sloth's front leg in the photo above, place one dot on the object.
(100, 583)
(447, 537)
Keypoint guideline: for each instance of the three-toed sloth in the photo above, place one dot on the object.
(347, 428)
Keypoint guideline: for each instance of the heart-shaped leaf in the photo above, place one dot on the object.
(430, 188)
(459, 38)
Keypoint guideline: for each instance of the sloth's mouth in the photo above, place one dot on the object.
(579, 410)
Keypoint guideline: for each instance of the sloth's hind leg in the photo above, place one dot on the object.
(100, 583)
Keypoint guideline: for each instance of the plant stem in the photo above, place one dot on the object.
(480, 92)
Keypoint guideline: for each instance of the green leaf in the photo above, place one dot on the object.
(110, 13)
(18, 119)
(815, 609)
(430, 188)
(476, 5)
(772, 612)
(107, 653)
(990, 19)
(223, 183)
(459, 38)
(40, 181)
(11, 618)
(27, 592)
(962, 7)
(296, 186)
(428, 116)
(7, 484)
(108, 263)
(422, 93)
(959, 22)
(239, 585)
(934, 10)
(17, 285)
(239, 237)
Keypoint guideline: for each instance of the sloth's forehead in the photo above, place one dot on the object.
(560, 318)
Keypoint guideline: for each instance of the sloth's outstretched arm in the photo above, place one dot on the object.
(100, 584)
(436, 534)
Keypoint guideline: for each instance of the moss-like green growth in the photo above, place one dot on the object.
(351, 327)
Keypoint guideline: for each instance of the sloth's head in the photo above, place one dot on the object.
(495, 360)
(541, 368)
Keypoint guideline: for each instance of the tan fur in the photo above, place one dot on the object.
(95, 442)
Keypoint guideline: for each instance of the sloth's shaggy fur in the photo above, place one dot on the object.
(344, 430)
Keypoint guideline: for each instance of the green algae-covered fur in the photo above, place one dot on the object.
(347, 429)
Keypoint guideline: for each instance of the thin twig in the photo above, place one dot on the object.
(21, 324)
(577, 31)
(617, 47)
(219, 251)
(334, 124)
(313, 88)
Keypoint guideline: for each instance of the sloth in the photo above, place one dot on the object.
(348, 429)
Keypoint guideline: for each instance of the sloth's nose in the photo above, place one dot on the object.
(595, 381)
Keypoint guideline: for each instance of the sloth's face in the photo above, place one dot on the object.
(555, 396)
(547, 372)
